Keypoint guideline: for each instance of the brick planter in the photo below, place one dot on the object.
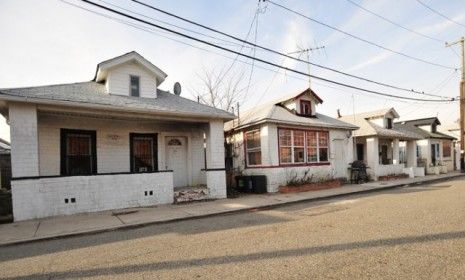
(393, 177)
(311, 187)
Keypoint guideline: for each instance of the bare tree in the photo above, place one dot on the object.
(220, 89)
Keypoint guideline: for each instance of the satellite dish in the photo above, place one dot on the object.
(177, 88)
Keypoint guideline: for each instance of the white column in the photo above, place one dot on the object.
(395, 151)
(24, 140)
(215, 173)
(411, 153)
(372, 156)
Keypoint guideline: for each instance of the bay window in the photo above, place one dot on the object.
(299, 146)
(253, 147)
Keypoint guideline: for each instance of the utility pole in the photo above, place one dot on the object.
(462, 103)
(307, 52)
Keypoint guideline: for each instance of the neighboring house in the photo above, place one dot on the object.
(378, 142)
(453, 130)
(114, 142)
(5, 164)
(435, 148)
(287, 139)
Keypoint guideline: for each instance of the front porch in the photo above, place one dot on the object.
(68, 162)
(388, 156)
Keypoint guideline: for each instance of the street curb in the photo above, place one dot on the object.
(224, 213)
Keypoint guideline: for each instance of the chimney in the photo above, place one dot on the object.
(339, 113)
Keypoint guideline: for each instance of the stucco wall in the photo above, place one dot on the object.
(38, 198)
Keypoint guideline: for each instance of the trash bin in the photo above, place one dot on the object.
(251, 184)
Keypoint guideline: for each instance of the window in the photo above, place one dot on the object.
(312, 146)
(446, 148)
(298, 146)
(78, 152)
(285, 146)
(389, 123)
(305, 108)
(323, 146)
(253, 146)
(135, 86)
(143, 152)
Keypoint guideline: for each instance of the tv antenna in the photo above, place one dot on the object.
(307, 52)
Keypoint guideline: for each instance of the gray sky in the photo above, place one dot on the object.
(51, 42)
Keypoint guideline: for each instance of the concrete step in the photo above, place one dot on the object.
(189, 194)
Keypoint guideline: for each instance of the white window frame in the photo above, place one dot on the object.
(256, 149)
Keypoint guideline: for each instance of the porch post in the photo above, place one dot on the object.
(411, 153)
(24, 140)
(215, 171)
(395, 151)
(373, 157)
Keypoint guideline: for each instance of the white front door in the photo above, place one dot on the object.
(176, 159)
(340, 167)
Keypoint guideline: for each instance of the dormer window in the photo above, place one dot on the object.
(305, 108)
(389, 123)
(434, 128)
(135, 86)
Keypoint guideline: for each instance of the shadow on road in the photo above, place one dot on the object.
(188, 227)
(168, 265)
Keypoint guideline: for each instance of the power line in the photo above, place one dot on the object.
(283, 54)
(152, 31)
(259, 59)
(440, 14)
(395, 23)
(360, 38)
(177, 26)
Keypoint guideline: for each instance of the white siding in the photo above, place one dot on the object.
(118, 80)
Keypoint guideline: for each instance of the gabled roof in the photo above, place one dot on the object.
(294, 95)
(274, 112)
(93, 95)
(377, 113)
(102, 67)
(421, 122)
(368, 128)
(413, 127)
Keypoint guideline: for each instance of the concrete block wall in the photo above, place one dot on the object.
(39, 198)
(24, 140)
(216, 183)
(215, 174)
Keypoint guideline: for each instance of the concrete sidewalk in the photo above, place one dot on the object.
(49, 228)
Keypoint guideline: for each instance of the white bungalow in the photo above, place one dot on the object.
(114, 142)
(435, 150)
(378, 142)
(287, 138)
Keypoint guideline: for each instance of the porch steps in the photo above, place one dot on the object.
(190, 194)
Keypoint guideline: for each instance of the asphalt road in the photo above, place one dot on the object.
(408, 233)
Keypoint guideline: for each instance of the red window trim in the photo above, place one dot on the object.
(303, 163)
(302, 103)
